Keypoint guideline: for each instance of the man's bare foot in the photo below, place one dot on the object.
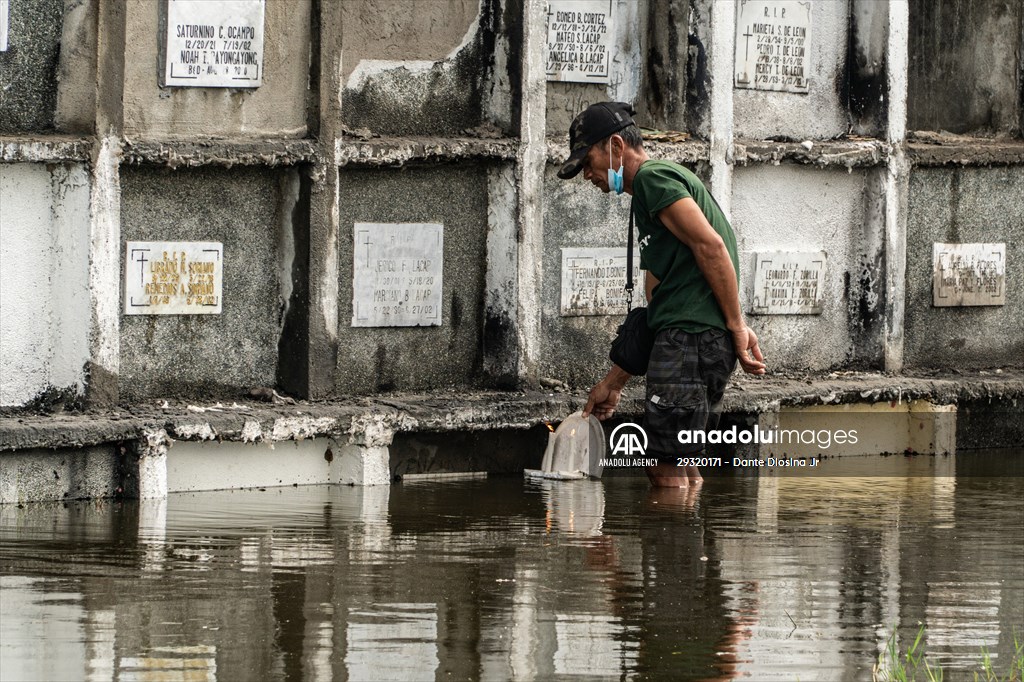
(668, 476)
(693, 473)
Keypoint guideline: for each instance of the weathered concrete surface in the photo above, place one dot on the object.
(28, 69)
(351, 419)
(38, 475)
(964, 65)
(795, 208)
(926, 149)
(47, 149)
(44, 294)
(411, 358)
(407, 79)
(687, 153)
(841, 153)
(953, 205)
(193, 154)
(275, 109)
(172, 355)
(822, 112)
(574, 350)
(398, 151)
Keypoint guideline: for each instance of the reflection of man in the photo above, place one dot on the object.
(688, 250)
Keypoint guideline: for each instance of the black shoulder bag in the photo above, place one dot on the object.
(631, 349)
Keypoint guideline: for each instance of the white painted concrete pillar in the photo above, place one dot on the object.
(897, 183)
(105, 270)
(531, 159)
(365, 465)
(723, 30)
(152, 466)
(366, 458)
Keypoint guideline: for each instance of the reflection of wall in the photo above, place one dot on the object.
(44, 329)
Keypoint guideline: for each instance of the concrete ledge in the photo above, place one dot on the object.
(49, 149)
(932, 150)
(688, 152)
(823, 153)
(226, 153)
(399, 151)
(372, 422)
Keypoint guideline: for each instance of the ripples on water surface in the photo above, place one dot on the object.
(766, 579)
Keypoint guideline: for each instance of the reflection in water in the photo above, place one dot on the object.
(764, 578)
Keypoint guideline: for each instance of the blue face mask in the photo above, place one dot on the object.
(615, 179)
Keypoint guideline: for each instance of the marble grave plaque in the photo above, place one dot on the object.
(579, 40)
(593, 281)
(773, 45)
(5, 10)
(788, 283)
(173, 278)
(396, 274)
(214, 44)
(968, 274)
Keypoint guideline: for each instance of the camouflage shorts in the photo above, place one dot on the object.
(686, 380)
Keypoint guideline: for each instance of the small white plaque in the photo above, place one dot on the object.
(579, 40)
(5, 9)
(396, 274)
(788, 283)
(772, 45)
(173, 278)
(214, 44)
(968, 274)
(593, 281)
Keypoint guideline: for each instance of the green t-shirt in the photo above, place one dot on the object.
(683, 298)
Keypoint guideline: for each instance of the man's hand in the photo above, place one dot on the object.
(602, 401)
(605, 396)
(747, 351)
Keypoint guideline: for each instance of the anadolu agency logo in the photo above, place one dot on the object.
(628, 440)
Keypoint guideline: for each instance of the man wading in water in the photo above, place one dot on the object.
(688, 250)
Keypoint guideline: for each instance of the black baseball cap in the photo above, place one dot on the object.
(592, 125)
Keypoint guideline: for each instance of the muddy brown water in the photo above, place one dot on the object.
(763, 578)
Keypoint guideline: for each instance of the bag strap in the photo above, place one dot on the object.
(629, 262)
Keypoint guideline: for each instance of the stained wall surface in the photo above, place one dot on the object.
(965, 70)
(275, 109)
(215, 355)
(964, 205)
(790, 208)
(44, 289)
(374, 359)
(822, 112)
(28, 69)
(575, 349)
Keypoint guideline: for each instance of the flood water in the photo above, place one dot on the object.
(770, 578)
